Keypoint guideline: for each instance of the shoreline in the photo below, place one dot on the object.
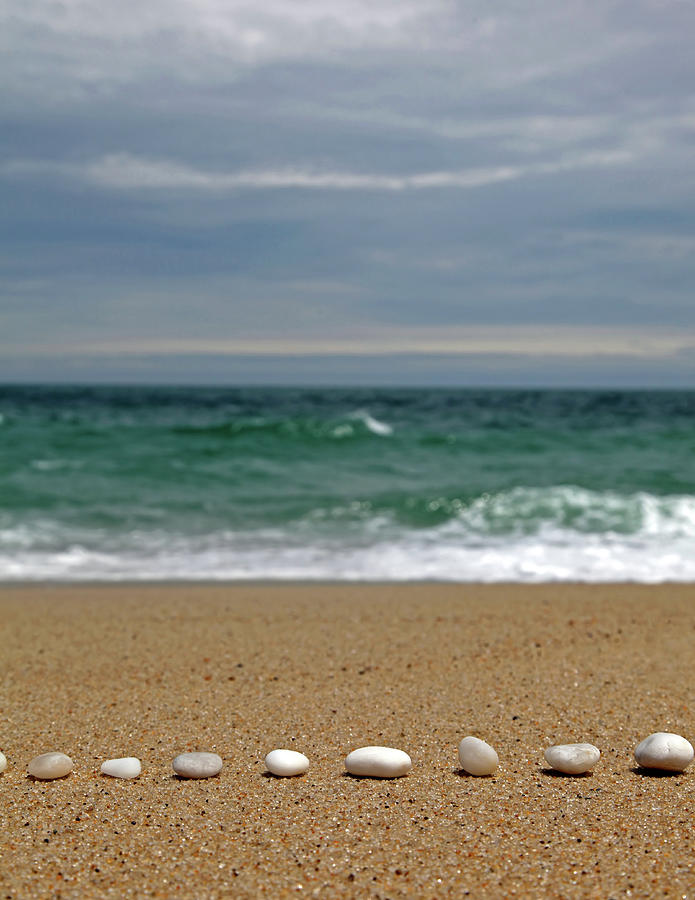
(240, 669)
(232, 583)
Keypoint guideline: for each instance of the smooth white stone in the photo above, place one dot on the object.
(197, 765)
(50, 765)
(663, 750)
(572, 759)
(378, 762)
(3, 762)
(123, 767)
(286, 763)
(477, 757)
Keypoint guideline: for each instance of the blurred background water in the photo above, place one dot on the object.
(363, 484)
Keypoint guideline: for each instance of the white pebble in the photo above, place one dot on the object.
(124, 767)
(572, 759)
(3, 762)
(286, 763)
(197, 765)
(378, 762)
(477, 757)
(666, 751)
(50, 765)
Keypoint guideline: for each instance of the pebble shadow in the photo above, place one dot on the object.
(36, 780)
(553, 773)
(653, 773)
(463, 774)
(281, 777)
(372, 777)
(176, 777)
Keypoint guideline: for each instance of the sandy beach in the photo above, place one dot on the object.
(151, 671)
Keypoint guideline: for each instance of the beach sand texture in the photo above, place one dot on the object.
(152, 671)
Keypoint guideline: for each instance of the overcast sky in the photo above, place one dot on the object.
(331, 191)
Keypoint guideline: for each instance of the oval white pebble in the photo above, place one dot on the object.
(663, 750)
(123, 767)
(378, 762)
(477, 757)
(286, 763)
(572, 759)
(50, 765)
(197, 765)
(3, 762)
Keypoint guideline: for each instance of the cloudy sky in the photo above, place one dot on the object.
(331, 191)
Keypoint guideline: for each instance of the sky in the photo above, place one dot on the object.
(348, 192)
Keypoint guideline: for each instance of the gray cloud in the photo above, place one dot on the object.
(127, 172)
(225, 170)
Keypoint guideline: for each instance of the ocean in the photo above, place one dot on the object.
(174, 483)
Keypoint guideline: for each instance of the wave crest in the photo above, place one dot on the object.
(358, 424)
(561, 533)
(569, 508)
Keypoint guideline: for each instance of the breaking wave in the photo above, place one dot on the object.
(558, 534)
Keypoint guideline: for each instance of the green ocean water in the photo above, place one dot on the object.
(189, 483)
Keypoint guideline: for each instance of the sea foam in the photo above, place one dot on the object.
(374, 546)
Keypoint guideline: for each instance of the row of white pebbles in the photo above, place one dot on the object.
(662, 751)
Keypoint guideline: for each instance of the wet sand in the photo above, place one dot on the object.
(151, 671)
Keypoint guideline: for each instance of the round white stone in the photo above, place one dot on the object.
(197, 765)
(378, 762)
(286, 763)
(666, 751)
(477, 757)
(3, 762)
(123, 767)
(50, 765)
(572, 759)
